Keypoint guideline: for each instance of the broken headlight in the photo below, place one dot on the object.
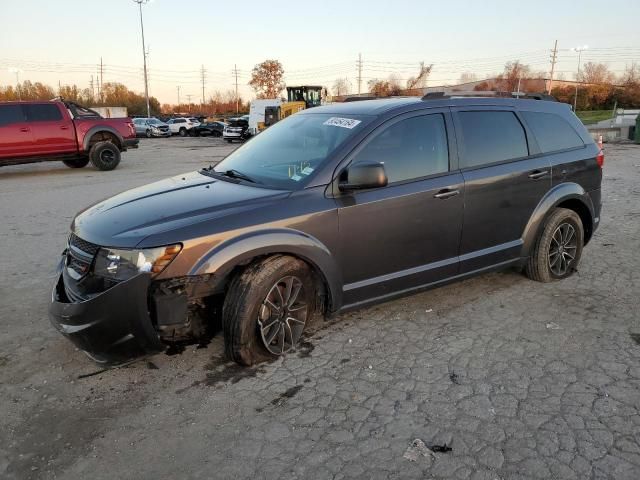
(120, 265)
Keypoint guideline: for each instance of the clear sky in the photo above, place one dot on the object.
(316, 42)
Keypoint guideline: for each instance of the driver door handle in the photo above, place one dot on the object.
(446, 193)
(538, 174)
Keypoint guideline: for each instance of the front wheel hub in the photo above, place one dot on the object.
(283, 315)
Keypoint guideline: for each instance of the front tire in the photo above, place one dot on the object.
(266, 309)
(148, 133)
(182, 132)
(104, 156)
(557, 252)
(76, 162)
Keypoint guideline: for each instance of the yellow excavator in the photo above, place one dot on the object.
(264, 113)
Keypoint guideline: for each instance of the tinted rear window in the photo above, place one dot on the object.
(43, 113)
(491, 137)
(11, 114)
(552, 132)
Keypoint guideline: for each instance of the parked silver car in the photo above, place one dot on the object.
(151, 127)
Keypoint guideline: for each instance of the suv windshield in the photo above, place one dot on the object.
(286, 154)
(154, 121)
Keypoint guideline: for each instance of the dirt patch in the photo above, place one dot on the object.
(305, 348)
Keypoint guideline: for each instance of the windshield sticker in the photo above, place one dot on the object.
(307, 171)
(342, 122)
(296, 177)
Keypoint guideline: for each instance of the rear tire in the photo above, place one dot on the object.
(266, 309)
(557, 251)
(104, 156)
(76, 162)
(228, 140)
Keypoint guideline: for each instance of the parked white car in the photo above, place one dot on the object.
(180, 126)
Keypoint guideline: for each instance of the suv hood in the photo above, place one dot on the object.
(126, 219)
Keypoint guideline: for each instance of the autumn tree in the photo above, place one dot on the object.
(385, 88)
(341, 87)
(513, 71)
(267, 79)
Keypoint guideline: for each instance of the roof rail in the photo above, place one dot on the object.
(489, 94)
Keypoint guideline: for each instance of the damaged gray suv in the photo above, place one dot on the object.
(333, 208)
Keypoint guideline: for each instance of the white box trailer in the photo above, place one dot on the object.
(256, 112)
(111, 112)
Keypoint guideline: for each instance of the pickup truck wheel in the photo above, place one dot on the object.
(559, 247)
(182, 132)
(76, 162)
(148, 133)
(104, 156)
(228, 140)
(266, 309)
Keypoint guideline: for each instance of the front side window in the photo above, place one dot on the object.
(490, 137)
(552, 132)
(42, 112)
(286, 154)
(11, 114)
(409, 149)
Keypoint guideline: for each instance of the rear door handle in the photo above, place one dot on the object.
(446, 193)
(64, 127)
(538, 174)
(24, 129)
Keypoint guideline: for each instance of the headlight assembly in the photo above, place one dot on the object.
(121, 265)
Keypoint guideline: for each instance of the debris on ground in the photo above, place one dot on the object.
(553, 326)
(444, 448)
(416, 450)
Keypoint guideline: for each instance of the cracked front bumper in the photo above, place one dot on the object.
(113, 327)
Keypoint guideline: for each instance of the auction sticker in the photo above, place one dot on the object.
(342, 122)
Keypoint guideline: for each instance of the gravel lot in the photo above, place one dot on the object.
(519, 379)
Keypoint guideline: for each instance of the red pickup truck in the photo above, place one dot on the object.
(65, 131)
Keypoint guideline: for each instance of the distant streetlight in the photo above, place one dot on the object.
(579, 50)
(17, 71)
(144, 57)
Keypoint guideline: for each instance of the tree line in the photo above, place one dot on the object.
(118, 95)
(598, 87)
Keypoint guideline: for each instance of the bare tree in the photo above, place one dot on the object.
(513, 72)
(267, 79)
(467, 77)
(595, 73)
(341, 87)
(420, 81)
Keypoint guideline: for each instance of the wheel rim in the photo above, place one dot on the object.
(148, 134)
(283, 315)
(107, 156)
(563, 248)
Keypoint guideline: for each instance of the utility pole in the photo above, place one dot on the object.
(203, 77)
(93, 93)
(101, 84)
(144, 57)
(359, 72)
(235, 73)
(554, 56)
(18, 89)
(579, 50)
(178, 87)
(59, 88)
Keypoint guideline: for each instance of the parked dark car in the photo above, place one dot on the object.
(334, 208)
(214, 129)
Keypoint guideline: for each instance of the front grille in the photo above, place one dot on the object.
(90, 249)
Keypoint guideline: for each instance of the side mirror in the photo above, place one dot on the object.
(362, 176)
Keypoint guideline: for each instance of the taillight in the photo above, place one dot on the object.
(600, 158)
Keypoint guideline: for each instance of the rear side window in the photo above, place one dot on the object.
(43, 113)
(412, 148)
(11, 114)
(552, 132)
(491, 137)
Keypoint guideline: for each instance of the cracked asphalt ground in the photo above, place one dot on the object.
(519, 379)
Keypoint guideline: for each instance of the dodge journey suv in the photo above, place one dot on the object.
(334, 208)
